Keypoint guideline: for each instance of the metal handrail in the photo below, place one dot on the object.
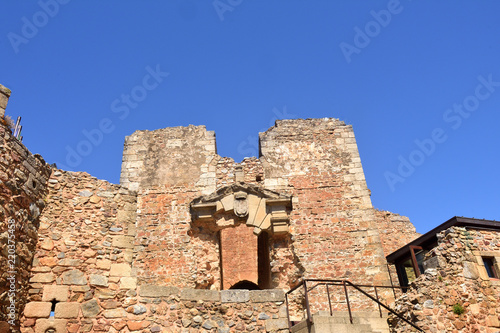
(344, 284)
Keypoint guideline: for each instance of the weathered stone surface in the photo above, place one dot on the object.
(114, 313)
(67, 310)
(128, 283)
(54, 292)
(37, 309)
(200, 295)
(43, 325)
(90, 308)
(273, 325)
(98, 280)
(157, 291)
(104, 264)
(269, 295)
(43, 278)
(126, 242)
(234, 296)
(120, 270)
(137, 325)
(73, 276)
(139, 309)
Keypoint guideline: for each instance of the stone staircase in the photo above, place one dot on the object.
(363, 322)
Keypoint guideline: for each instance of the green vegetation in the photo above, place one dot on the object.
(458, 309)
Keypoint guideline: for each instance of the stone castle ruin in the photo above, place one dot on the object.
(190, 241)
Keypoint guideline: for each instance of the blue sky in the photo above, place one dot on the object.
(418, 80)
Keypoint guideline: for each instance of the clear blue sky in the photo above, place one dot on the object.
(397, 71)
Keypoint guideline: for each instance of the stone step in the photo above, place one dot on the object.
(339, 322)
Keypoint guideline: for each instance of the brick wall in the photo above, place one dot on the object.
(239, 255)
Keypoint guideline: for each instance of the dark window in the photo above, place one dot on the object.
(245, 285)
(53, 307)
(489, 264)
(264, 263)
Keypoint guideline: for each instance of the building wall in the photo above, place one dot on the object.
(333, 224)
(131, 256)
(458, 279)
(23, 179)
(395, 230)
(333, 229)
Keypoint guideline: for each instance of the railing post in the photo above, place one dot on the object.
(347, 300)
(329, 301)
(309, 318)
(288, 313)
(378, 302)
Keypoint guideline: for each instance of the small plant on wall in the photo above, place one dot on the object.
(458, 309)
(7, 120)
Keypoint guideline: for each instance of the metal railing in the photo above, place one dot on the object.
(345, 284)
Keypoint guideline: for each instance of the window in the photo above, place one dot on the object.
(489, 264)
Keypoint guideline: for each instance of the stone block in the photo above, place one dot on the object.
(470, 270)
(43, 325)
(43, 278)
(73, 276)
(158, 291)
(200, 295)
(120, 270)
(114, 313)
(54, 292)
(98, 280)
(90, 308)
(38, 309)
(124, 242)
(67, 310)
(104, 264)
(128, 282)
(492, 321)
(270, 295)
(234, 296)
(273, 325)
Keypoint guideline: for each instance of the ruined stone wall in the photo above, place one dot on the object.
(170, 157)
(395, 230)
(4, 99)
(152, 308)
(23, 179)
(457, 281)
(332, 222)
(85, 250)
(251, 168)
(333, 229)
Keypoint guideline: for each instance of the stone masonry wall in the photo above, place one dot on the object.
(4, 99)
(333, 226)
(395, 230)
(332, 221)
(456, 295)
(85, 249)
(23, 179)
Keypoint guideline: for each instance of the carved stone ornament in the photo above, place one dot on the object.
(260, 208)
(240, 204)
